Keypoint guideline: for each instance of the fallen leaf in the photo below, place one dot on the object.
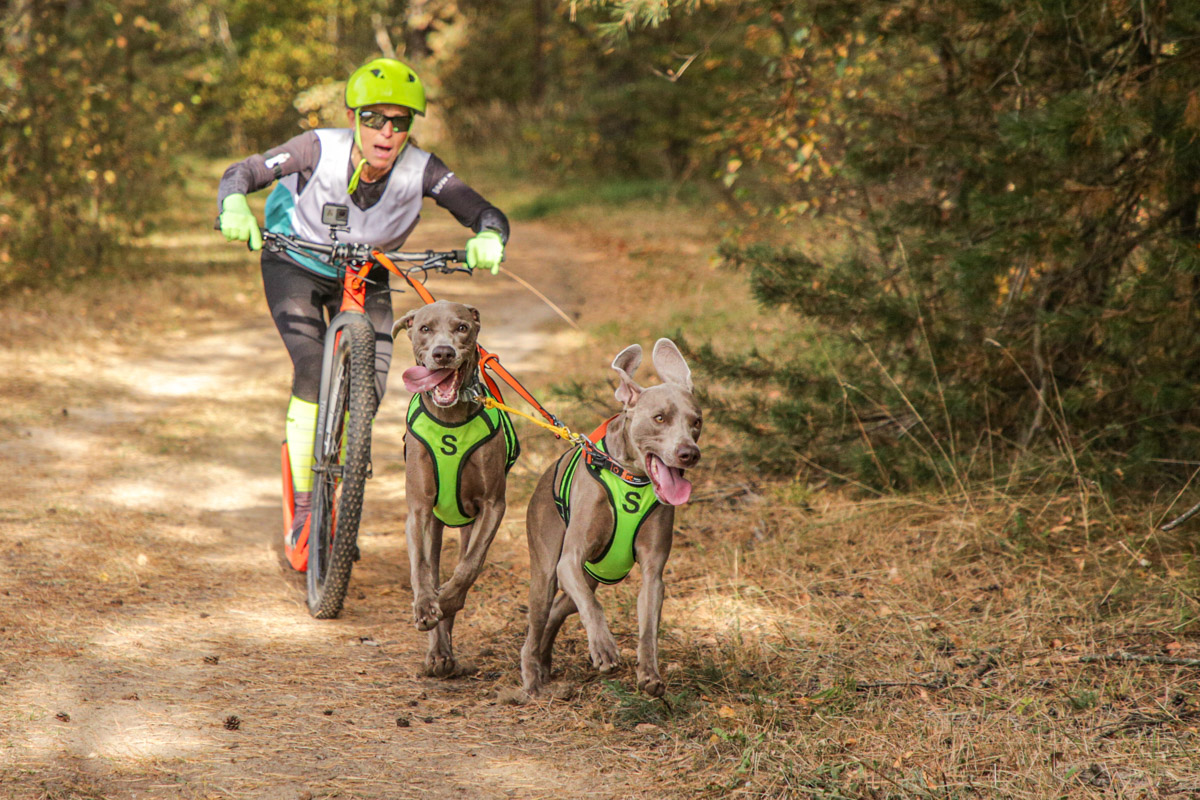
(725, 712)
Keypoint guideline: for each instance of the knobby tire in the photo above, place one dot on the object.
(343, 461)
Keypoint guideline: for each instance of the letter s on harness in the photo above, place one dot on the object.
(457, 442)
(638, 501)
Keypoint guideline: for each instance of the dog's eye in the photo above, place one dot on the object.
(659, 418)
(424, 329)
(463, 327)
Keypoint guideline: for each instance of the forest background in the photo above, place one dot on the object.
(938, 449)
(979, 218)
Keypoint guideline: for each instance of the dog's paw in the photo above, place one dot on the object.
(652, 685)
(439, 666)
(605, 655)
(428, 614)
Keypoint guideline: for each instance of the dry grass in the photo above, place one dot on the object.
(815, 644)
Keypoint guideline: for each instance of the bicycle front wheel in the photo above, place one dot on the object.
(342, 457)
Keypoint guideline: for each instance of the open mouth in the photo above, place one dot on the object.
(669, 484)
(442, 384)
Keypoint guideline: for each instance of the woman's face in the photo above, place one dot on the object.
(381, 146)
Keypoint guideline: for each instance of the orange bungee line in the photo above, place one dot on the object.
(486, 360)
(490, 361)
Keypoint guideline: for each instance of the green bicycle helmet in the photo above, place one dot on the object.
(385, 80)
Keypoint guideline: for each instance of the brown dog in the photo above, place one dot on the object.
(456, 459)
(609, 521)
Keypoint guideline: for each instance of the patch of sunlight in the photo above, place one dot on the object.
(133, 730)
(195, 239)
(734, 609)
(536, 351)
(68, 445)
(182, 384)
(142, 641)
(208, 489)
(516, 773)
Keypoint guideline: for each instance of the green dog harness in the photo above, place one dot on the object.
(449, 445)
(636, 501)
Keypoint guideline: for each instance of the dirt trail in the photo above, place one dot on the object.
(144, 603)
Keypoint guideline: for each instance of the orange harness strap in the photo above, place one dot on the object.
(486, 360)
(600, 432)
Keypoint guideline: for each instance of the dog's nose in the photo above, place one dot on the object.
(442, 355)
(687, 454)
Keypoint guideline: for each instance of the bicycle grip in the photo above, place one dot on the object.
(459, 256)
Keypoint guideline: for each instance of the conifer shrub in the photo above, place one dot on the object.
(1021, 184)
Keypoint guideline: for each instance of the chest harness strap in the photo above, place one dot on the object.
(449, 446)
(630, 501)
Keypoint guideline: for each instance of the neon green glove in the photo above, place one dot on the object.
(238, 222)
(485, 250)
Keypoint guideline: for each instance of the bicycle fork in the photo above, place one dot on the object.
(352, 310)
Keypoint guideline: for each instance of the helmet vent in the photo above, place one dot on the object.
(378, 73)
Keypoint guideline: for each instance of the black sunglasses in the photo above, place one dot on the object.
(376, 121)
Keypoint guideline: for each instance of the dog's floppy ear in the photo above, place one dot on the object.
(669, 363)
(626, 363)
(474, 311)
(404, 323)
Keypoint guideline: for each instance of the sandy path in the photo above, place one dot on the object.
(143, 599)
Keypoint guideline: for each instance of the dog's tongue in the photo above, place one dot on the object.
(423, 379)
(669, 484)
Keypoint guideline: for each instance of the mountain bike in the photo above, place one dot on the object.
(346, 406)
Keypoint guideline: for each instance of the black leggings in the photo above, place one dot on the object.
(302, 302)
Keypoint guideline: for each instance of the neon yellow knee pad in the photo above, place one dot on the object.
(300, 431)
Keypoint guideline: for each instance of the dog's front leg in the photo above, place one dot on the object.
(424, 534)
(581, 589)
(453, 595)
(652, 548)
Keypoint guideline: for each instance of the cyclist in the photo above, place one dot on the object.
(381, 176)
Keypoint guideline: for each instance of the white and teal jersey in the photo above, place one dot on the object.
(296, 210)
(314, 168)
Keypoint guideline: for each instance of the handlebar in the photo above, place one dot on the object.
(341, 254)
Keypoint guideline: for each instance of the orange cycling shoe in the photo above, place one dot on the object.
(295, 537)
(295, 546)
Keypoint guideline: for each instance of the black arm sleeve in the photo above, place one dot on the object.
(466, 204)
(298, 154)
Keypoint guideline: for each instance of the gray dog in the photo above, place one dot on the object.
(456, 459)
(587, 524)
